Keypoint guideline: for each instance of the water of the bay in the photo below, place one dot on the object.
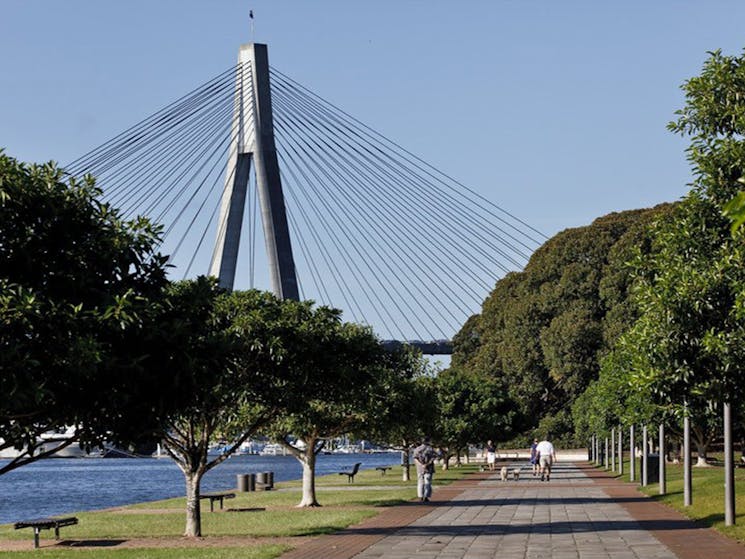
(66, 485)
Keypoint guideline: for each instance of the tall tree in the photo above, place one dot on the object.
(544, 331)
(349, 376)
(692, 286)
(412, 412)
(77, 283)
(232, 357)
(472, 408)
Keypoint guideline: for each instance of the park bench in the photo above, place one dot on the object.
(217, 497)
(351, 473)
(383, 469)
(40, 524)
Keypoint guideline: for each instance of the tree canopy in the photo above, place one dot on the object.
(77, 284)
(543, 331)
(351, 385)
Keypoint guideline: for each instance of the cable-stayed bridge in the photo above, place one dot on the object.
(349, 218)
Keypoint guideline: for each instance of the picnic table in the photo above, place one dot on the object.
(39, 524)
(383, 469)
(217, 497)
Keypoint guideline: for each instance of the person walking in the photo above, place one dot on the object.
(424, 458)
(491, 455)
(546, 458)
(534, 457)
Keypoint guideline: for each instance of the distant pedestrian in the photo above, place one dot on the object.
(546, 458)
(491, 455)
(424, 458)
(534, 457)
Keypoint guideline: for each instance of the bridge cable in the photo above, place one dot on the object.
(423, 163)
(344, 131)
(393, 250)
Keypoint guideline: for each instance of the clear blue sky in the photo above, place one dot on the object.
(557, 111)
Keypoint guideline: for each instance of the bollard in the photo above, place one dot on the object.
(242, 483)
(251, 482)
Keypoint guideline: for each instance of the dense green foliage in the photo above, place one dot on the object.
(472, 407)
(686, 349)
(685, 352)
(411, 412)
(691, 288)
(543, 331)
(348, 383)
(76, 287)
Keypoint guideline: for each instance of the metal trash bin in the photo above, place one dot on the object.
(264, 481)
(261, 479)
(242, 482)
(653, 468)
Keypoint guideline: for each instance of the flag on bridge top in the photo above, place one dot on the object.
(250, 14)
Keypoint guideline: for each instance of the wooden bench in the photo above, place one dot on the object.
(40, 524)
(383, 469)
(351, 473)
(216, 497)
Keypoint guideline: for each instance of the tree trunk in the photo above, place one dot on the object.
(702, 446)
(193, 511)
(308, 460)
(405, 463)
(445, 459)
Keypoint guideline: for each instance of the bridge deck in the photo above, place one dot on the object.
(435, 347)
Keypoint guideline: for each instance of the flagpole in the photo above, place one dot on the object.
(251, 17)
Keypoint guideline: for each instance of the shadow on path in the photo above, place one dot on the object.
(540, 501)
(528, 528)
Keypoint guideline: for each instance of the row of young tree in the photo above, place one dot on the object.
(94, 337)
(639, 317)
(684, 356)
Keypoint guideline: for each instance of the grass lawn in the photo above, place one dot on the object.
(264, 514)
(708, 495)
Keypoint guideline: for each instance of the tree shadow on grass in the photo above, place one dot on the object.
(91, 543)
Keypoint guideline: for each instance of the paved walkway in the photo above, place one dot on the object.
(582, 513)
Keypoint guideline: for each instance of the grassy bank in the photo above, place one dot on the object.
(708, 495)
(259, 525)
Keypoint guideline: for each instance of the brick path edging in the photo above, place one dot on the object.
(685, 538)
(688, 540)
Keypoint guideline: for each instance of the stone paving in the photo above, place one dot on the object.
(582, 513)
(567, 518)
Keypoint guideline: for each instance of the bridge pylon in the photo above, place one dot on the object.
(252, 140)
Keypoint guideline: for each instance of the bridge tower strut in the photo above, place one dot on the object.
(253, 140)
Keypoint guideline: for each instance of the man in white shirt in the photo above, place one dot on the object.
(546, 458)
